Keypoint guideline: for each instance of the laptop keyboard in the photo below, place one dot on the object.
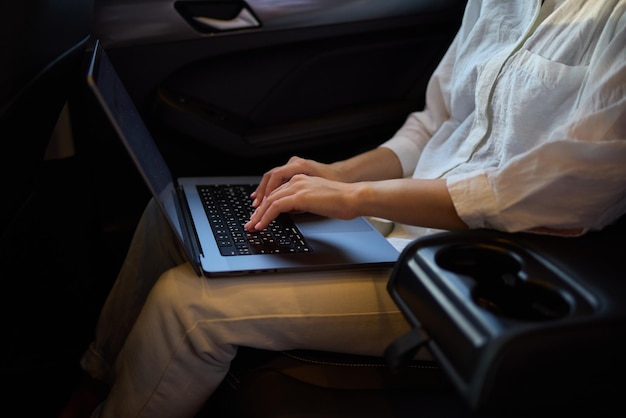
(228, 208)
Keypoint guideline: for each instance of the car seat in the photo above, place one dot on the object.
(316, 384)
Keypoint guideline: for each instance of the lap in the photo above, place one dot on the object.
(325, 310)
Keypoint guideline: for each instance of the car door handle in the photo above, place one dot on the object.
(244, 19)
(211, 16)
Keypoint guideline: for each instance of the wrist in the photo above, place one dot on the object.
(341, 171)
(360, 199)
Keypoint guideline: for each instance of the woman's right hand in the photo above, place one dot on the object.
(282, 174)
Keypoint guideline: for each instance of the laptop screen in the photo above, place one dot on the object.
(129, 125)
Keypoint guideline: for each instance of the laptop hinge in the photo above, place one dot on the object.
(190, 235)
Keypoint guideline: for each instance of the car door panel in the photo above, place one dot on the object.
(136, 22)
(306, 75)
(299, 97)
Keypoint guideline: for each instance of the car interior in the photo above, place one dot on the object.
(517, 324)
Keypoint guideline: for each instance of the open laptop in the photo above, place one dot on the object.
(311, 242)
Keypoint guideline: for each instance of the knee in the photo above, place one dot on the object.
(174, 292)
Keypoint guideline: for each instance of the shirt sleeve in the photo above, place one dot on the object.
(575, 180)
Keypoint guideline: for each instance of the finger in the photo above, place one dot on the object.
(256, 215)
(268, 183)
(275, 178)
(266, 217)
(279, 201)
(261, 218)
(259, 193)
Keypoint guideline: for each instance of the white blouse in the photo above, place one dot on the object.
(525, 116)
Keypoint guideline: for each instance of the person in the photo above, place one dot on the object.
(524, 129)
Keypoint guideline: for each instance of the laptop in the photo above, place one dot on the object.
(190, 205)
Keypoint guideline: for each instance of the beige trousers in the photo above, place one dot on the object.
(166, 337)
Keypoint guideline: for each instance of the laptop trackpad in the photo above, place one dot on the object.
(314, 224)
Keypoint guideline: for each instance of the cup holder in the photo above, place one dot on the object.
(501, 286)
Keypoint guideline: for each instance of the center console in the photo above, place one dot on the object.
(518, 321)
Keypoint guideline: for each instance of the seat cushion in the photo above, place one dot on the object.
(308, 384)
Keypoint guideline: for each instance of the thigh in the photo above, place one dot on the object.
(342, 310)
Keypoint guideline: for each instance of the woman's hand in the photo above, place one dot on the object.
(281, 175)
(303, 193)
(377, 164)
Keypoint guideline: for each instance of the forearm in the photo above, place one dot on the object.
(377, 164)
(425, 203)
(417, 202)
